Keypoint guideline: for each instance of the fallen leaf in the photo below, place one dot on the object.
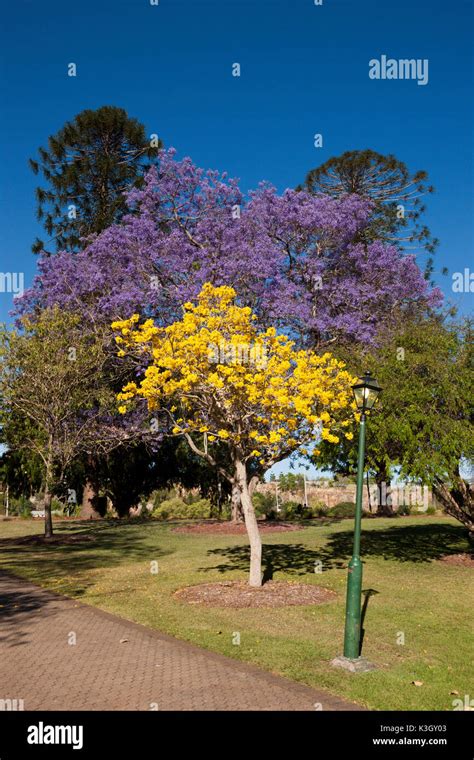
(417, 683)
(123, 641)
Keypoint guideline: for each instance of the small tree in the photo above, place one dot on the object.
(51, 387)
(291, 481)
(423, 422)
(218, 379)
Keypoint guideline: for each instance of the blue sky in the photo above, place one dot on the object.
(304, 70)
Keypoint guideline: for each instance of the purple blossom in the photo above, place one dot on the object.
(294, 258)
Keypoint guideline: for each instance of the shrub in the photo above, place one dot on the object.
(431, 510)
(161, 495)
(57, 506)
(264, 505)
(319, 510)
(344, 509)
(72, 510)
(404, 509)
(293, 510)
(200, 509)
(176, 509)
(20, 506)
(172, 507)
(192, 497)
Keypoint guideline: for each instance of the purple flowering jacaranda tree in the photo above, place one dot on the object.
(294, 258)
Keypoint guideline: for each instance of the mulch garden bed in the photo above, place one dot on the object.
(238, 594)
(461, 560)
(234, 529)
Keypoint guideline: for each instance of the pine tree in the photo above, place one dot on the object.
(396, 193)
(87, 167)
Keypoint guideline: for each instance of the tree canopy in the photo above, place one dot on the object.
(423, 422)
(293, 258)
(397, 196)
(52, 393)
(87, 167)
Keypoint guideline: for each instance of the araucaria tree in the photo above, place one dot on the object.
(87, 167)
(219, 380)
(395, 192)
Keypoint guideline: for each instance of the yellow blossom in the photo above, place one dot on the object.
(254, 388)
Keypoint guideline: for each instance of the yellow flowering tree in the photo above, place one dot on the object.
(219, 379)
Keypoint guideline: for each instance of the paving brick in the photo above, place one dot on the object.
(99, 673)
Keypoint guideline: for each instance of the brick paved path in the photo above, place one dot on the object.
(99, 673)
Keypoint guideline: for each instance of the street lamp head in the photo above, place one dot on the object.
(366, 392)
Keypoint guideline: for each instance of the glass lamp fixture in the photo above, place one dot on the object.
(366, 392)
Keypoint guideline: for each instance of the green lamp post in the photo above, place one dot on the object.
(366, 393)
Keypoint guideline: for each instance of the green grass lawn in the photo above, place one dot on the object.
(412, 593)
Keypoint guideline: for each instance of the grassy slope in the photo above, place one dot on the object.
(412, 592)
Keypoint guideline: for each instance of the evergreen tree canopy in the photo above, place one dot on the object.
(395, 192)
(87, 167)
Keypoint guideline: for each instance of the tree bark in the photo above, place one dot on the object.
(89, 509)
(384, 503)
(48, 518)
(236, 515)
(255, 575)
(254, 480)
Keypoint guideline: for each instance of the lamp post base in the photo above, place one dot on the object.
(356, 665)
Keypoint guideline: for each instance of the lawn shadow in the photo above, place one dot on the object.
(401, 543)
(291, 558)
(420, 543)
(74, 551)
(366, 594)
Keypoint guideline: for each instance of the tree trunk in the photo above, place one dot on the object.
(122, 502)
(236, 515)
(457, 501)
(48, 518)
(384, 501)
(254, 480)
(89, 509)
(255, 576)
